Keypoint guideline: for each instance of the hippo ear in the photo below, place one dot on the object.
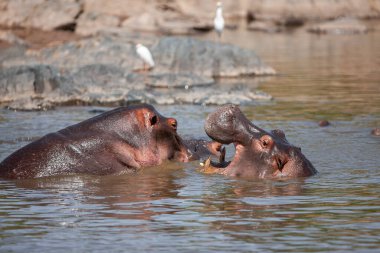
(279, 133)
(146, 118)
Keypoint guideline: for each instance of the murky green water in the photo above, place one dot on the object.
(174, 208)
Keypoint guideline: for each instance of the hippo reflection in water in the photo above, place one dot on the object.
(117, 141)
(259, 154)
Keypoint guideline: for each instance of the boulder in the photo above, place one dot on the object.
(171, 54)
(91, 23)
(105, 70)
(76, 54)
(27, 81)
(146, 22)
(119, 8)
(43, 87)
(289, 11)
(206, 58)
(42, 14)
(88, 17)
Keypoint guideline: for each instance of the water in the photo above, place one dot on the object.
(174, 208)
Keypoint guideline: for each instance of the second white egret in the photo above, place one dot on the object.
(219, 20)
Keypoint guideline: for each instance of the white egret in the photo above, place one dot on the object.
(219, 20)
(145, 55)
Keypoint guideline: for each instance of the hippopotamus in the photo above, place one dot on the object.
(121, 140)
(258, 153)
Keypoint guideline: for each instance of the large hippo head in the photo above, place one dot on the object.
(259, 154)
(148, 133)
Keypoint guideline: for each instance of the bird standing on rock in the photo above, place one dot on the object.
(144, 53)
(219, 20)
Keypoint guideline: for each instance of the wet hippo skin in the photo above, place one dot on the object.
(258, 153)
(117, 141)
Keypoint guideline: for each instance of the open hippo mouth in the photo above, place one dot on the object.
(258, 154)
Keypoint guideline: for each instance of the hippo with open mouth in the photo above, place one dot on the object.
(259, 154)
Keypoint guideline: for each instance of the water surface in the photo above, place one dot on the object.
(174, 208)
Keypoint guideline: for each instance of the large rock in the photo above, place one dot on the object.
(42, 14)
(290, 11)
(75, 54)
(90, 23)
(119, 8)
(106, 70)
(42, 87)
(171, 16)
(27, 81)
(171, 54)
(146, 22)
(178, 54)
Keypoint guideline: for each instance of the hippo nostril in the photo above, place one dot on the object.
(153, 120)
(174, 125)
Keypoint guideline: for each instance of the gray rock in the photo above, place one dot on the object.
(90, 84)
(206, 58)
(76, 54)
(171, 54)
(43, 87)
(101, 75)
(102, 71)
(27, 81)
(11, 53)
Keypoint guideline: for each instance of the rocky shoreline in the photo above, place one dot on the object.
(69, 52)
(105, 70)
(89, 17)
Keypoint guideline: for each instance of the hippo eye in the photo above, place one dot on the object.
(153, 120)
